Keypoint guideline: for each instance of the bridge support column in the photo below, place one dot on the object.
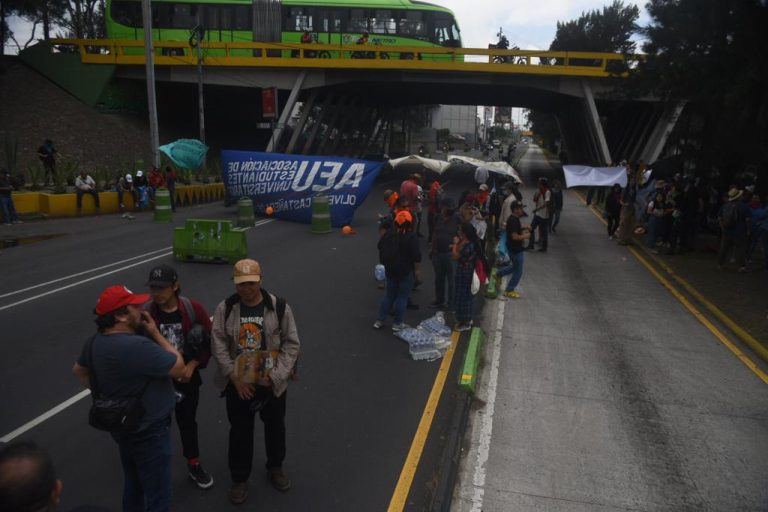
(299, 128)
(661, 131)
(278, 131)
(318, 122)
(596, 128)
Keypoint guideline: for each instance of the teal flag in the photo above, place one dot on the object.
(186, 153)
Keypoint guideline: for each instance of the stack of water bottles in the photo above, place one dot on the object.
(429, 340)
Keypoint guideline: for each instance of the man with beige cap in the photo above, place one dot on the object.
(256, 345)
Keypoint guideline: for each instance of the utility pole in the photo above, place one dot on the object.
(149, 52)
(198, 33)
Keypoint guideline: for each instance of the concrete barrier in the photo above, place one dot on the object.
(65, 205)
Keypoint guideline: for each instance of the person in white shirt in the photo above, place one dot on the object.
(84, 184)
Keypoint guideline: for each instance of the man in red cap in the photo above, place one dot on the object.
(129, 357)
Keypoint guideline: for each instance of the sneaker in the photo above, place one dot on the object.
(512, 295)
(742, 270)
(18, 222)
(202, 478)
(238, 492)
(279, 480)
(378, 324)
(398, 327)
(462, 326)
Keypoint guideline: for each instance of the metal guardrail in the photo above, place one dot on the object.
(324, 56)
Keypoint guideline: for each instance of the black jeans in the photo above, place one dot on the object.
(80, 194)
(241, 421)
(186, 413)
(543, 225)
(613, 224)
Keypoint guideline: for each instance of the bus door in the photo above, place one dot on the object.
(266, 24)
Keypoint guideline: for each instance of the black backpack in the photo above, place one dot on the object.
(389, 250)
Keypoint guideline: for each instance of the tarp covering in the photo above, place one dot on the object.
(583, 175)
(288, 182)
(186, 153)
(499, 167)
(438, 166)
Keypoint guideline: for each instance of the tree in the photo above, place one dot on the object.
(712, 54)
(609, 30)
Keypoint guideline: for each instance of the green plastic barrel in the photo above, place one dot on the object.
(321, 214)
(163, 205)
(245, 218)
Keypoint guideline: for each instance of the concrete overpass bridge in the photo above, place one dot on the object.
(351, 98)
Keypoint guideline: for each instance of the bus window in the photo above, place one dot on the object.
(126, 12)
(412, 25)
(183, 15)
(162, 14)
(225, 17)
(210, 16)
(298, 20)
(383, 23)
(242, 18)
(358, 21)
(444, 31)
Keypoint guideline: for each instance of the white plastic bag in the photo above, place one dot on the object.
(475, 283)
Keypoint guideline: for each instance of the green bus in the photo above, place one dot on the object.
(333, 22)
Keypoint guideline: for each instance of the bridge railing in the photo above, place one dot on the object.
(286, 55)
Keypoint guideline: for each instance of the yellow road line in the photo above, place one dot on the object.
(399, 497)
(749, 363)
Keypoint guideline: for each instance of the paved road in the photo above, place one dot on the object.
(603, 393)
(351, 417)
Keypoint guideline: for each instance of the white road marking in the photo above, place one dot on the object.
(82, 273)
(27, 426)
(73, 400)
(486, 429)
(77, 283)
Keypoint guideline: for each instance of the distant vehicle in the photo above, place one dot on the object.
(496, 143)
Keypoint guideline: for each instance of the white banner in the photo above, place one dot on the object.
(582, 175)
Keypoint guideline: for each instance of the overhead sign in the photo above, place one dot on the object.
(269, 103)
(583, 175)
(287, 183)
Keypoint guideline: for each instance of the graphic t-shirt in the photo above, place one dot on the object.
(252, 362)
(170, 327)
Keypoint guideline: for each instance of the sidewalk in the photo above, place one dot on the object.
(600, 392)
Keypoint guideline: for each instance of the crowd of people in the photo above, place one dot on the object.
(457, 233)
(144, 364)
(672, 214)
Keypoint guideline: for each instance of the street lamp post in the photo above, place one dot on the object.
(154, 135)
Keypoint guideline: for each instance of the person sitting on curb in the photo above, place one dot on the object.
(125, 186)
(84, 184)
(6, 199)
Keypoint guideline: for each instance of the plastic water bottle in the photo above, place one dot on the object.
(425, 352)
(379, 273)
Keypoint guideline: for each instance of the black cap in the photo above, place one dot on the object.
(515, 204)
(162, 275)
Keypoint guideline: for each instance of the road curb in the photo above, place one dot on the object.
(468, 376)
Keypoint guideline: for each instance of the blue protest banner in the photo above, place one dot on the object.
(288, 182)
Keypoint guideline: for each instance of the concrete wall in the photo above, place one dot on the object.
(64, 205)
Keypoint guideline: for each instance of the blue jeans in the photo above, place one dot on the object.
(397, 296)
(443, 264)
(515, 268)
(9, 211)
(146, 459)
